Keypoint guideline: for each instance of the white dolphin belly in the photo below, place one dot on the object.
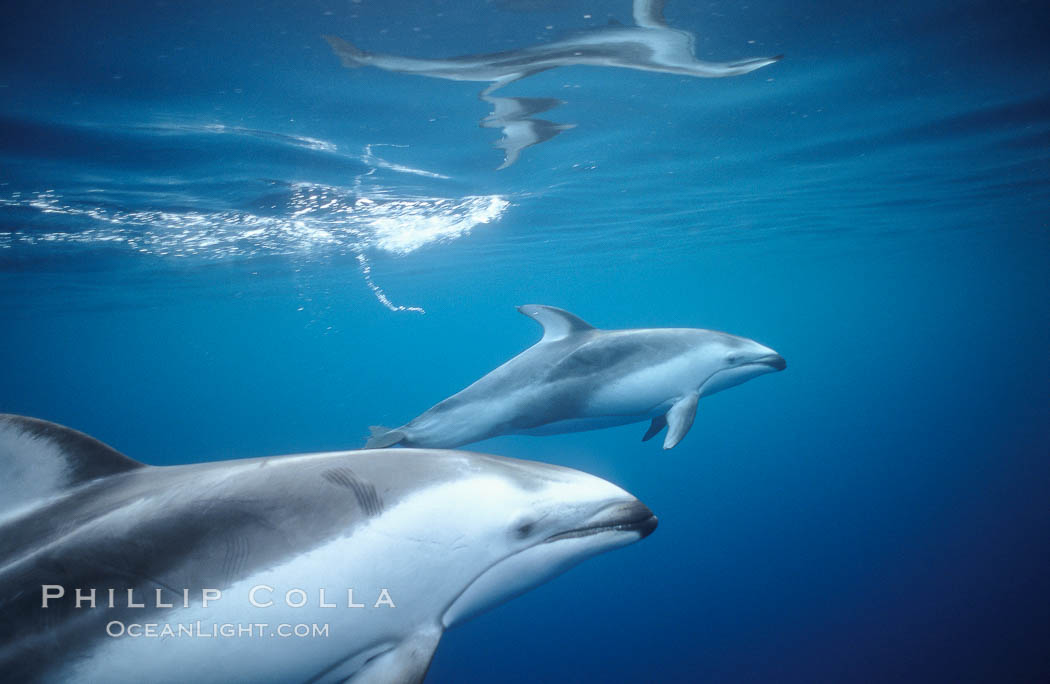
(353, 634)
(646, 392)
(382, 556)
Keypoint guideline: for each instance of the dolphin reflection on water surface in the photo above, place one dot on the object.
(649, 45)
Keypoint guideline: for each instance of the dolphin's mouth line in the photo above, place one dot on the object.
(644, 524)
(773, 360)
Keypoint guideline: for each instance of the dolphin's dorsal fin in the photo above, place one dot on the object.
(649, 14)
(39, 459)
(557, 323)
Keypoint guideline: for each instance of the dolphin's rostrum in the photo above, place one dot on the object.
(649, 45)
(578, 377)
(385, 550)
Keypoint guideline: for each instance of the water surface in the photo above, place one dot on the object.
(216, 242)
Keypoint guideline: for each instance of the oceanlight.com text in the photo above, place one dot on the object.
(225, 630)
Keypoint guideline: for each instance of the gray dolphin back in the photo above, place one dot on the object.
(562, 331)
(84, 515)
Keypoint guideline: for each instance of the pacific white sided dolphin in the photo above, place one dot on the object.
(649, 45)
(578, 377)
(385, 549)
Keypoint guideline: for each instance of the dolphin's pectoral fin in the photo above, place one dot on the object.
(659, 423)
(406, 663)
(382, 437)
(39, 459)
(557, 323)
(680, 419)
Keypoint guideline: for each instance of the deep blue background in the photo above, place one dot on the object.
(874, 207)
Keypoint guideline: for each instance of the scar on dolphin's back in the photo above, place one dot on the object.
(365, 492)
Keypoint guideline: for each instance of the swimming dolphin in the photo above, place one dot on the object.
(403, 544)
(578, 377)
(649, 45)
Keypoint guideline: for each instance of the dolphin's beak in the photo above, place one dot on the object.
(633, 516)
(774, 361)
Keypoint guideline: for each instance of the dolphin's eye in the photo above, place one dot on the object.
(525, 529)
(732, 358)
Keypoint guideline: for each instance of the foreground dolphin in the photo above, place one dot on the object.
(580, 378)
(649, 45)
(98, 551)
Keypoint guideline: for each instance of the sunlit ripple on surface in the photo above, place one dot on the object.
(222, 129)
(316, 220)
(225, 192)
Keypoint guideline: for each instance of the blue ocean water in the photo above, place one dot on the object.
(216, 242)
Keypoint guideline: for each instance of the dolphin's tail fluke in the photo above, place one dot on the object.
(383, 437)
(350, 56)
